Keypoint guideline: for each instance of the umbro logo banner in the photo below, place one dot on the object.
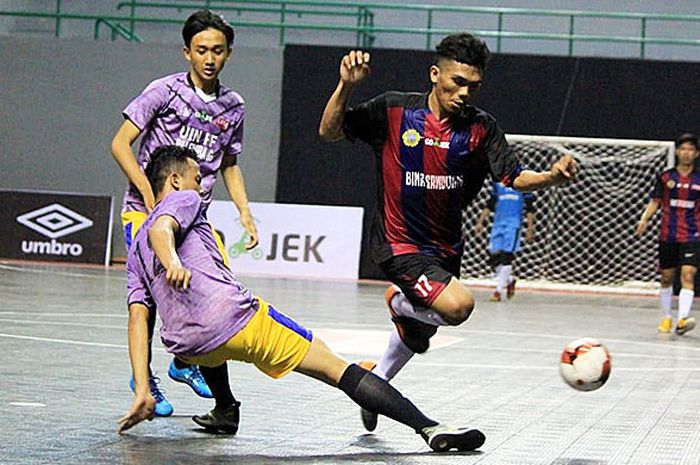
(52, 226)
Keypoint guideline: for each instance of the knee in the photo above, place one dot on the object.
(688, 278)
(458, 310)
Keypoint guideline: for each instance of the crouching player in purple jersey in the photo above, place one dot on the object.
(190, 109)
(677, 193)
(434, 151)
(209, 317)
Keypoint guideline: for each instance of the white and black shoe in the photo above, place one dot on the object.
(443, 438)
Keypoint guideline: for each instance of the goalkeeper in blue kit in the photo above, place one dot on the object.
(508, 206)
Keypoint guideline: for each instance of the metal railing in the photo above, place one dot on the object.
(365, 16)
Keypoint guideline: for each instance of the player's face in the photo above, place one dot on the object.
(207, 54)
(455, 84)
(190, 179)
(687, 152)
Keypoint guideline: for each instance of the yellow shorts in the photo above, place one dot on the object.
(132, 221)
(271, 341)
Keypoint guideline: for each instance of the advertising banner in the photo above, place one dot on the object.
(295, 240)
(54, 226)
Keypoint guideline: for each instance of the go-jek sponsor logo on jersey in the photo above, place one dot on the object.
(53, 221)
(411, 138)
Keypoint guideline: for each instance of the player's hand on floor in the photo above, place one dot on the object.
(354, 67)
(142, 408)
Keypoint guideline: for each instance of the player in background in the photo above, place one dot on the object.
(209, 317)
(190, 109)
(677, 192)
(508, 206)
(433, 152)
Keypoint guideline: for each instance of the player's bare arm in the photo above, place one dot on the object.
(530, 231)
(233, 180)
(563, 170)
(354, 68)
(162, 237)
(143, 405)
(480, 223)
(646, 217)
(124, 155)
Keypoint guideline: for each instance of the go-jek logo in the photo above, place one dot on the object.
(53, 221)
(286, 247)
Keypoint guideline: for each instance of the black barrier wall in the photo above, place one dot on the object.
(588, 97)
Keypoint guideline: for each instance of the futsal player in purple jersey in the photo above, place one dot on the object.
(209, 317)
(677, 193)
(434, 151)
(190, 109)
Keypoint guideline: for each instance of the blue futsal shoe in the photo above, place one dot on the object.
(191, 376)
(163, 407)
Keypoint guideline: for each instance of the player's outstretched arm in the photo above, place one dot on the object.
(646, 217)
(124, 156)
(563, 170)
(354, 68)
(162, 238)
(143, 405)
(233, 180)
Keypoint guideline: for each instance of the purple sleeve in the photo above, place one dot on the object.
(136, 291)
(183, 206)
(235, 145)
(146, 106)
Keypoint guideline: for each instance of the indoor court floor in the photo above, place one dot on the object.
(65, 369)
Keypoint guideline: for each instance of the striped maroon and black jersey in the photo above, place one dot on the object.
(428, 170)
(679, 197)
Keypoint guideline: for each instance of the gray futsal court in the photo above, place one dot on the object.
(64, 373)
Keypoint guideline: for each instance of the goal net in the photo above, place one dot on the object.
(584, 231)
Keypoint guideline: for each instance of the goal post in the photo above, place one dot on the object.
(584, 231)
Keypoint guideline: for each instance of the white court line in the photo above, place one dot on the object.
(44, 314)
(60, 323)
(60, 273)
(431, 364)
(27, 404)
(66, 341)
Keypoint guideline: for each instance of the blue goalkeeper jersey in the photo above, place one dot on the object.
(508, 205)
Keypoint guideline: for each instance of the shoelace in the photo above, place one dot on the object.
(155, 390)
(197, 375)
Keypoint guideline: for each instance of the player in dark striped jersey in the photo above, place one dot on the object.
(434, 151)
(677, 193)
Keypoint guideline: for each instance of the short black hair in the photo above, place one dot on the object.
(464, 48)
(203, 20)
(165, 160)
(687, 137)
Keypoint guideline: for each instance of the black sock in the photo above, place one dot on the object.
(371, 392)
(151, 328)
(179, 364)
(217, 379)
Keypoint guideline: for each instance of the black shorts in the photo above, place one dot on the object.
(421, 278)
(675, 254)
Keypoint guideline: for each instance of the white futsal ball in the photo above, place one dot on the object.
(585, 364)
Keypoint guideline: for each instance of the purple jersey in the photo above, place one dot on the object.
(169, 112)
(215, 306)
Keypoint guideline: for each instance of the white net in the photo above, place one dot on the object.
(584, 231)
